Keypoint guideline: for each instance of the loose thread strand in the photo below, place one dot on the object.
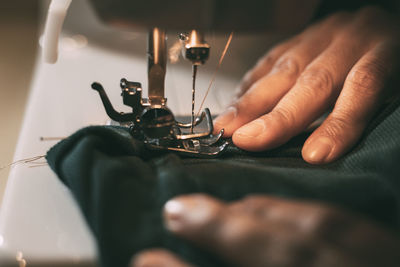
(24, 161)
(228, 42)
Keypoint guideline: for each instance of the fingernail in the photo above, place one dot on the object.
(226, 117)
(173, 211)
(181, 214)
(318, 150)
(252, 129)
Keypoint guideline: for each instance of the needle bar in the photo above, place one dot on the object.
(194, 73)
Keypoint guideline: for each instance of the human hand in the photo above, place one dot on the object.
(268, 231)
(347, 60)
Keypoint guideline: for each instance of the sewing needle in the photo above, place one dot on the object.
(194, 73)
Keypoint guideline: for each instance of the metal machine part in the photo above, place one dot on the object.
(196, 50)
(151, 120)
(157, 64)
(156, 126)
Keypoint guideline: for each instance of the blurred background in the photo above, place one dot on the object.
(19, 27)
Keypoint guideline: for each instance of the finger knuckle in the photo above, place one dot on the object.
(269, 58)
(337, 125)
(285, 116)
(369, 78)
(288, 66)
(318, 81)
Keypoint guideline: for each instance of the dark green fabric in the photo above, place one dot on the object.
(121, 187)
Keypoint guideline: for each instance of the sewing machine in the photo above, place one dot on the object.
(39, 220)
(150, 119)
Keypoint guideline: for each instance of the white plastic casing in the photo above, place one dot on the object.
(55, 19)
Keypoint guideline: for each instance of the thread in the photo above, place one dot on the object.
(32, 161)
(228, 42)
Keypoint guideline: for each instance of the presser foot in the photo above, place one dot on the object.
(156, 127)
(209, 146)
(198, 144)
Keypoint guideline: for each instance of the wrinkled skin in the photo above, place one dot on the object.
(348, 61)
(273, 232)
